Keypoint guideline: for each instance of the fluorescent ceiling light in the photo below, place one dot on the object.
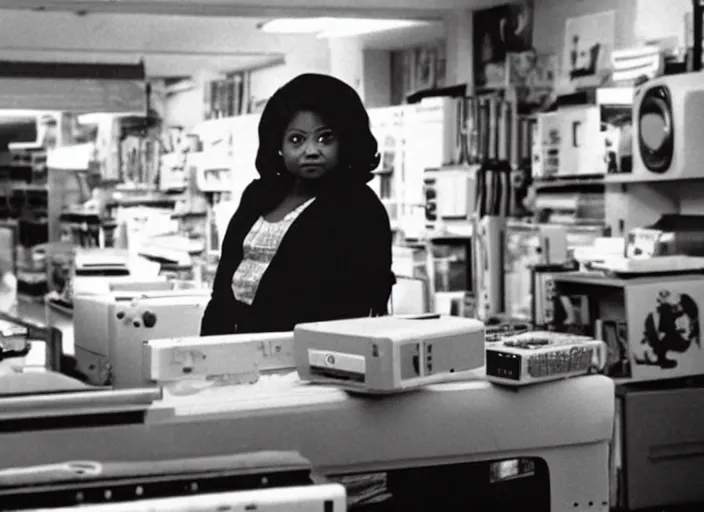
(334, 27)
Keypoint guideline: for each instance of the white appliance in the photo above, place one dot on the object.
(581, 142)
(668, 119)
(567, 142)
(387, 354)
(110, 330)
(450, 194)
(231, 355)
(101, 262)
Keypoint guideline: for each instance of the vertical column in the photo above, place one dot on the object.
(459, 70)
(202, 79)
(377, 78)
(347, 61)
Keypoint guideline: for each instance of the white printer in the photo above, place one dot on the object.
(110, 329)
(388, 354)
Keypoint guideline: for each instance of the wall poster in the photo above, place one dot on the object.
(586, 51)
(498, 31)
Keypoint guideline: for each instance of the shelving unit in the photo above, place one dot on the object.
(24, 199)
(630, 205)
(569, 182)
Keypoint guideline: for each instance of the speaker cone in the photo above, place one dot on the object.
(655, 130)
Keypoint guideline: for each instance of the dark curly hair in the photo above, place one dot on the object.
(341, 108)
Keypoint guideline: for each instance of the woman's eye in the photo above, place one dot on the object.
(295, 139)
(326, 137)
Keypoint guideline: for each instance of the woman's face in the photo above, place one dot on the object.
(309, 148)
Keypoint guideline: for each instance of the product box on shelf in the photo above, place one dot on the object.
(580, 141)
(651, 324)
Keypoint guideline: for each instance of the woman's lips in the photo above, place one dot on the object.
(311, 167)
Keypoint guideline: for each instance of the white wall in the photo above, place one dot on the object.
(550, 16)
(185, 109)
(347, 61)
(306, 55)
(660, 19)
(637, 21)
(377, 78)
(368, 72)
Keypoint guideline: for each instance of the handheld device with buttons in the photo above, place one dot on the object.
(541, 356)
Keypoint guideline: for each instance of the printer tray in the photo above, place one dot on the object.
(87, 482)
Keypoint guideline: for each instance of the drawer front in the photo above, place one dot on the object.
(664, 447)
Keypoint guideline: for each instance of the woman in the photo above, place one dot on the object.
(310, 241)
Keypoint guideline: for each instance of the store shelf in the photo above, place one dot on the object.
(568, 182)
(598, 278)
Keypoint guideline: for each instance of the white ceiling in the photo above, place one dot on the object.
(182, 37)
(259, 8)
(169, 45)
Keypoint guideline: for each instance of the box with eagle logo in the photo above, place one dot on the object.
(650, 323)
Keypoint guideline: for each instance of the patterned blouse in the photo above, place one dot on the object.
(259, 248)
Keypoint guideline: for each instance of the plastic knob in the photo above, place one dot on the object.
(149, 319)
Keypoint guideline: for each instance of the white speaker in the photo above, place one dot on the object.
(668, 123)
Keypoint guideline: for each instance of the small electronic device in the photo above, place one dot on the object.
(101, 262)
(388, 354)
(238, 354)
(541, 356)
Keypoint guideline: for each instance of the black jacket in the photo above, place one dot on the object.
(334, 262)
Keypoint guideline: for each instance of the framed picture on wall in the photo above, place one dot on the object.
(498, 31)
(586, 51)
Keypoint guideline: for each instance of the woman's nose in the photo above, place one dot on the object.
(312, 148)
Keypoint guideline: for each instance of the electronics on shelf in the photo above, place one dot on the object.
(668, 116)
(449, 196)
(567, 142)
(672, 234)
(541, 356)
(388, 354)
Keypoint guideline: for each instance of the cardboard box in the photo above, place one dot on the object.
(662, 316)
